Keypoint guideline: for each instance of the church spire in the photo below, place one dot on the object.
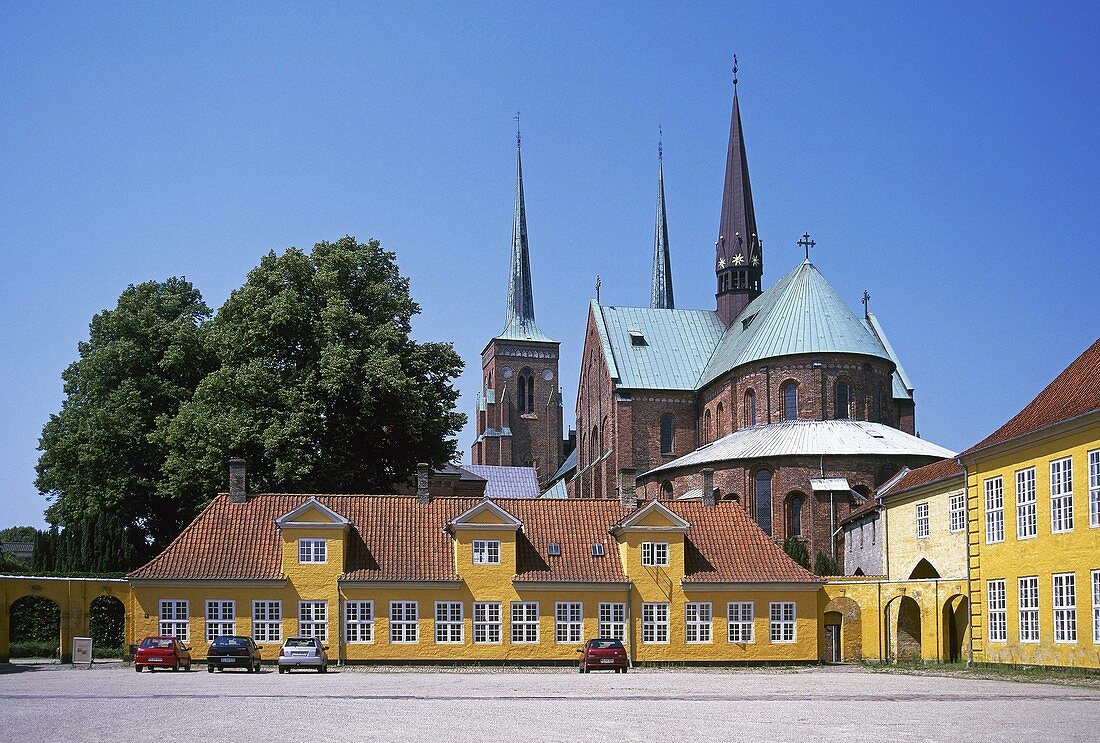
(520, 321)
(662, 263)
(738, 256)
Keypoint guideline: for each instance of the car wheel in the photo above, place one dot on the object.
(210, 669)
(322, 668)
(137, 668)
(176, 666)
(187, 667)
(251, 668)
(625, 669)
(580, 668)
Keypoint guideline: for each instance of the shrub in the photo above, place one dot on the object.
(826, 565)
(798, 551)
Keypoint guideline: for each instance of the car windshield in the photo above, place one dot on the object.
(299, 642)
(230, 642)
(606, 645)
(157, 642)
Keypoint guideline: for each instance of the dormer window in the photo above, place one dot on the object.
(597, 550)
(312, 550)
(486, 552)
(554, 549)
(637, 339)
(655, 554)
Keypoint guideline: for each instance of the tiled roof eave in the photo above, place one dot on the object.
(808, 584)
(1029, 438)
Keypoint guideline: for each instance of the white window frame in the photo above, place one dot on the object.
(994, 510)
(655, 554)
(1027, 525)
(1065, 607)
(486, 552)
(487, 623)
(1028, 604)
(267, 620)
(174, 618)
(568, 622)
(956, 516)
(404, 622)
(1094, 488)
(612, 620)
(1096, 607)
(922, 526)
(740, 622)
(524, 625)
(221, 618)
(358, 622)
(698, 623)
(1061, 495)
(449, 623)
(313, 619)
(997, 617)
(783, 627)
(312, 551)
(655, 623)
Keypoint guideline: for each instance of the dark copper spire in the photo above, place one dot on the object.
(662, 263)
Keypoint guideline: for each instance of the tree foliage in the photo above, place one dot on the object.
(797, 550)
(827, 565)
(18, 534)
(96, 544)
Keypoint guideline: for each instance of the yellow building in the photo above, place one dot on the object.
(924, 516)
(1033, 491)
(404, 578)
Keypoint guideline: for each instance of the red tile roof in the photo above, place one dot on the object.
(1073, 393)
(945, 469)
(394, 538)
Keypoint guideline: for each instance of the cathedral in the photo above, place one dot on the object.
(781, 398)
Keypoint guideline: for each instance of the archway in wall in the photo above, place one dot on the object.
(34, 628)
(903, 642)
(845, 613)
(956, 628)
(924, 570)
(107, 626)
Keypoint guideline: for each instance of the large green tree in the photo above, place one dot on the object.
(105, 450)
(319, 386)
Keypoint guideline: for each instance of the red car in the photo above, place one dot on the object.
(603, 654)
(162, 652)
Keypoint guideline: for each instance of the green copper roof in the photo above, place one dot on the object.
(801, 313)
(660, 349)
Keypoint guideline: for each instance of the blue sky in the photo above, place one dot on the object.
(944, 158)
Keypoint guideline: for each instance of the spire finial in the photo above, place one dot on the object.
(660, 144)
(516, 118)
(734, 73)
(807, 243)
(866, 301)
(598, 283)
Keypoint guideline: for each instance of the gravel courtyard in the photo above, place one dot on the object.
(111, 702)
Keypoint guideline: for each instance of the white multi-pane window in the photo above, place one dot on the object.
(655, 623)
(995, 602)
(1061, 495)
(740, 621)
(782, 621)
(612, 621)
(994, 510)
(567, 622)
(525, 622)
(655, 554)
(1096, 606)
(312, 550)
(697, 622)
(957, 512)
(1094, 487)
(1029, 608)
(173, 618)
(313, 619)
(1065, 607)
(448, 622)
(486, 552)
(267, 621)
(359, 621)
(404, 622)
(1025, 504)
(922, 520)
(487, 622)
(221, 616)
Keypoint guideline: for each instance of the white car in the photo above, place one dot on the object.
(303, 652)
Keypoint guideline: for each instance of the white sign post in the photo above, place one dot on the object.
(82, 650)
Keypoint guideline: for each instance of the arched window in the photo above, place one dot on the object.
(718, 421)
(666, 490)
(594, 445)
(706, 426)
(525, 395)
(879, 395)
(790, 401)
(794, 514)
(750, 408)
(842, 400)
(764, 500)
(667, 430)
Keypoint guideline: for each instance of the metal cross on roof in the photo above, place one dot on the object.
(734, 70)
(866, 300)
(516, 118)
(807, 243)
(598, 282)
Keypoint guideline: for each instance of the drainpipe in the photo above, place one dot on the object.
(339, 624)
(630, 625)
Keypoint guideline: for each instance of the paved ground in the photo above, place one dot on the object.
(110, 702)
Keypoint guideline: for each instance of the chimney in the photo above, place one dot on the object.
(422, 494)
(238, 481)
(628, 496)
(708, 487)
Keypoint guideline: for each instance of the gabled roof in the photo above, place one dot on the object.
(502, 519)
(1073, 393)
(503, 481)
(676, 345)
(944, 470)
(632, 522)
(802, 437)
(328, 517)
(801, 313)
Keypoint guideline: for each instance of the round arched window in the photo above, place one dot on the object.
(764, 500)
(790, 401)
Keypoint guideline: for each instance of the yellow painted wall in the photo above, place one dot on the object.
(944, 549)
(1077, 551)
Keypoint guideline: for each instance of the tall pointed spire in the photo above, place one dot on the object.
(739, 260)
(520, 321)
(662, 263)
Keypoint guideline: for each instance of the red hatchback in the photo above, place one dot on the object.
(162, 652)
(603, 654)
